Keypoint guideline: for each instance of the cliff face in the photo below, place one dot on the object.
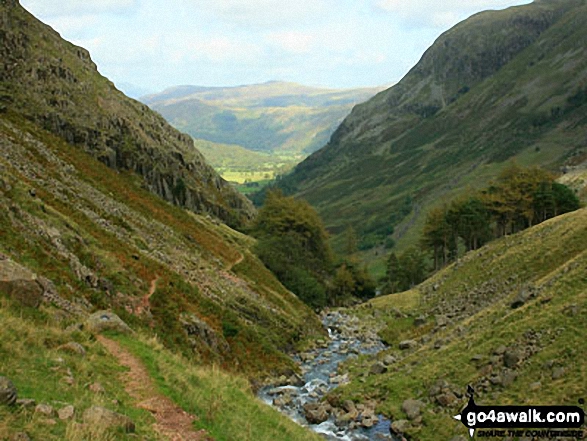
(56, 85)
(500, 86)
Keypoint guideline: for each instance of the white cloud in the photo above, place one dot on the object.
(439, 14)
(296, 42)
(266, 13)
(56, 8)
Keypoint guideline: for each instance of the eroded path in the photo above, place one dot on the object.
(171, 421)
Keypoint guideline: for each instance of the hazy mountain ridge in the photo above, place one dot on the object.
(56, 84)
(274, 116)
(500, 85)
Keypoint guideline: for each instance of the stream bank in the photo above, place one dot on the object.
(302, 400)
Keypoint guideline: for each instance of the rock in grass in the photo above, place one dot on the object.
(73, 348)
(106, 321)
(45, 409)
(378, 368)
(66, 413)
(400, 426)
(106, 419)
(8, 392)
(412, 408)
(20, 284)
(407, 344)
(20, 436)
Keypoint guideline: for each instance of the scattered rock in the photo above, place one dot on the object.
(407, 344)
(511, 358)
(66, 413)
(523, 296)
(8, 392)
(446, 399)
(412, 408)
(20, 283)
(45, 409)
(535, 386)
(420, 321)
(389, 360)
(97, 388)
(104, 321)
(26, 402)
(102, 417)
(508, 377)
(20, 436)
(558, 372)
(400, 426)
(73, 348)
(378, 368)
(500, 350)
(316, 413)
(441, 320)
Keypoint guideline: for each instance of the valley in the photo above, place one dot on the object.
(144, 296)
(255, 133)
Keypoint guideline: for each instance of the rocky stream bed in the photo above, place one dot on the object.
(302, 397)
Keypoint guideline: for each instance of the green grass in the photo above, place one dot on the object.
(118, 230)
(552, 257)
(224, 403)
(32, 360)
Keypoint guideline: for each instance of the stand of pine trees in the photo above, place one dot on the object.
(518, 199)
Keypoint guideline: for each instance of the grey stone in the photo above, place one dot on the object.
(20, 284)
(73, 348)
(400, 426)
(412, 408)
(104, 418)
(407, 344)
(8, 392)
(45, 409)
(500, 350)
(511, 358)
(26, 402)
(378, 368)
(558, 372)
(66, 413)
(20, 436)
(106, 321)
(420, 321)
(523, 296)
(446, 399)
(315, 413)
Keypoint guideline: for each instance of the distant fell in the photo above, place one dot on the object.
(271, 117)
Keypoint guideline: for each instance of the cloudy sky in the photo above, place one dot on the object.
(154, 44)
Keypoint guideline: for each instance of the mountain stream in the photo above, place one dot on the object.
(319, 376)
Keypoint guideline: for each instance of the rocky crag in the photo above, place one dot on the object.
(56, 85)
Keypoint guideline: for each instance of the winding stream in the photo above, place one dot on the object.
(319, 369)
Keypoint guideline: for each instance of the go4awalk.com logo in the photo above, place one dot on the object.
(556, 421)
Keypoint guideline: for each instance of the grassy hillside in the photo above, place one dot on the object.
(508, 319)
(500, 86)
(275, 117)
(99, 235)
(31, 346)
